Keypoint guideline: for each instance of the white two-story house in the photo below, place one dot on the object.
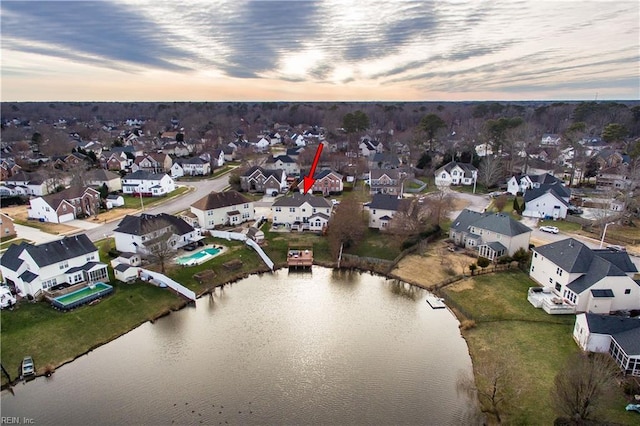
(148, 184)
(302, 212)
(228, 208)
(283, 162)
(596, 281)
(382, 208)
(455, 173)
(137, 234)
(29, 269)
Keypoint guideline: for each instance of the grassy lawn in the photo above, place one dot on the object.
(53, 337)
(535, 343)
(563, 225)
(376, 244)
(131, 202)
(277, 244)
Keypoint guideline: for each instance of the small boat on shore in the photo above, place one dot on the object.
(28, 368)
(436, 302)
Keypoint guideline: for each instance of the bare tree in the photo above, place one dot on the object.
(490, 171)
(347, 226)
(583, 384)
(439, 205)
(495, 384)
(161, 245)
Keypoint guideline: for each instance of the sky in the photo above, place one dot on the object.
(326, 50)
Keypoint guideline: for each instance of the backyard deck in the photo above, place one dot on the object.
(299, 258)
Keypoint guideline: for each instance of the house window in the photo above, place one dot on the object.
(550, 280)
(558, 285)
(64, 264)
(90, 257)
(535, 254)
(559, 271)
(627, 291)
(49, 283)
(292, 209)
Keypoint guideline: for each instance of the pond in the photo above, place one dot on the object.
(330, 347)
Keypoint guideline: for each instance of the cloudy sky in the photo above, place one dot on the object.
(319, 50)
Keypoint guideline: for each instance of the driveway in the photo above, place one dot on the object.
(35, 235)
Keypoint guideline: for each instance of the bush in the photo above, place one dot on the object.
(113, 253)
(502, 260)
(483, 262)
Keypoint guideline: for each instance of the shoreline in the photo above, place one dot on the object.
(208, 290)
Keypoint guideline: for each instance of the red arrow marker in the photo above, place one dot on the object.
(309, 180)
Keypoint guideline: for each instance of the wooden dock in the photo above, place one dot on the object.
(435, 302)
(299, 258)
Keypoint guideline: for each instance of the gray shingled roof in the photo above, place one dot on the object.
(569, 254)
(502, 224)
(277, 174)
(495, 222)
(297, 199)
(216, 200)
(385, 202)
(466, 167)
(144, 175)
(610, 324)
(598, 269)
(496, 246)
(122, 267)
(619, 258)
(629, 341)
(557, 189)
(146, 223)
(28, 276)
(49, 253)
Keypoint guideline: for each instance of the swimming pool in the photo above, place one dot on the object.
(198, 257)
(82, 296)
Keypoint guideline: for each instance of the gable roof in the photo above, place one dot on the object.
(283, 158)
(467, 168)
(298, 199)
(102, 175)
(48, 253)
(74, 192)
(378, 173)
(277, 174)
(216, 200)
(499, 223)
(146, 223)
(557, 189)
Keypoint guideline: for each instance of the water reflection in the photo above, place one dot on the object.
(331, 347)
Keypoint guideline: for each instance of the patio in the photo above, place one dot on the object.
(551, 303)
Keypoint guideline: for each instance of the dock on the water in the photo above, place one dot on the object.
(435, 302)
(299, 258)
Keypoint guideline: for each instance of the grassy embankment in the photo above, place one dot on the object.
(535, 343)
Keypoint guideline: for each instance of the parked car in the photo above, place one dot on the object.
(574, 210)
(28, 368)
(7, 300)
(550, 229)
(616, 247)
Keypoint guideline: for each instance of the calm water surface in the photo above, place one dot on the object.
(324, 347)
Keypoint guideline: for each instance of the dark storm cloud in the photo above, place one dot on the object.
(100, 32)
